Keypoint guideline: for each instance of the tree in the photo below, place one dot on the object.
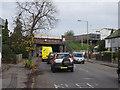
(69, 33)
(5, 33)
(6, 47)
(101, 46)
(17, 34)
(36, 15)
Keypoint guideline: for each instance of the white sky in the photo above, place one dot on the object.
(99, 14)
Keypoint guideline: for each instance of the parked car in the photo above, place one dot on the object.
(50, 57)
(78, 57)
(62, 61)
(94, 53)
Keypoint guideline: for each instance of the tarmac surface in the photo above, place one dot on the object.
(92, 74)
(88, 75)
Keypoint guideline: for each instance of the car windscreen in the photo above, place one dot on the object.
(61, 56)
(77, 55)
(51, 54)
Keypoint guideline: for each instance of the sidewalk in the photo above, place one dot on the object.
(16, 76)
(103, 63)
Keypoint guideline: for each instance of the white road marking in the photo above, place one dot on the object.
(78, 85)
(87, 78)
(59, 86)
(89, 85)
(66, 85)
(62, 86)
(56, 86)
(83, 69)
(32, 86)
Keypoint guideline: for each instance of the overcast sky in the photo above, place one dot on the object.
(99, 14)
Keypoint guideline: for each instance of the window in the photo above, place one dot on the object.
(113, 40)
(108, 40)
(98, 36)
(77, 55)
(60, 56)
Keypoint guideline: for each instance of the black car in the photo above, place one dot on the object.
(62, 61)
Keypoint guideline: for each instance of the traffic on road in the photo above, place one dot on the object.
(61, 61)
(88, 75)
(65, 70)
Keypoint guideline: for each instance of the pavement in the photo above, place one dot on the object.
(15, 75)
(88, 75)
(103, 63)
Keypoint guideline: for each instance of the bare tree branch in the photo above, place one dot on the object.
(35, 14)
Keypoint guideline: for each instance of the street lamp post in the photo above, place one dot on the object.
(87, 38)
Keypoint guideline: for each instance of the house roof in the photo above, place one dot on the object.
(114, 35)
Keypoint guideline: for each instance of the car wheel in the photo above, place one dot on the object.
(83, 62)
(42, 60)
(53, 70)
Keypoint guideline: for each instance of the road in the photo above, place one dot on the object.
(88, 75)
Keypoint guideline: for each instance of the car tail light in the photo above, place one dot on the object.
(71, 57)
(55, 57)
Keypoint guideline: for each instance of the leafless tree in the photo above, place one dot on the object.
(36, 15)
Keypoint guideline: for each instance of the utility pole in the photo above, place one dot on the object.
(87, 38)
(87, 42)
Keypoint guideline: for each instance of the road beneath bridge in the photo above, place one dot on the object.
(88, 75)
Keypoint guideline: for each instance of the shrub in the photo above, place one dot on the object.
(8, 54)
(106, 52)
(29, 64)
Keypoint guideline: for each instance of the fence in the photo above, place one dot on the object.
(106, 58)
(18, 57)
(12, 58)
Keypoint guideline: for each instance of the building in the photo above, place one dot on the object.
(112, 42)
(105, 32)
(92, 38)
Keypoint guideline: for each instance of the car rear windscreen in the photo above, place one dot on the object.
(77, 55)
(61, 56)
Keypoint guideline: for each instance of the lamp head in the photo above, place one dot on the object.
(79, 20)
